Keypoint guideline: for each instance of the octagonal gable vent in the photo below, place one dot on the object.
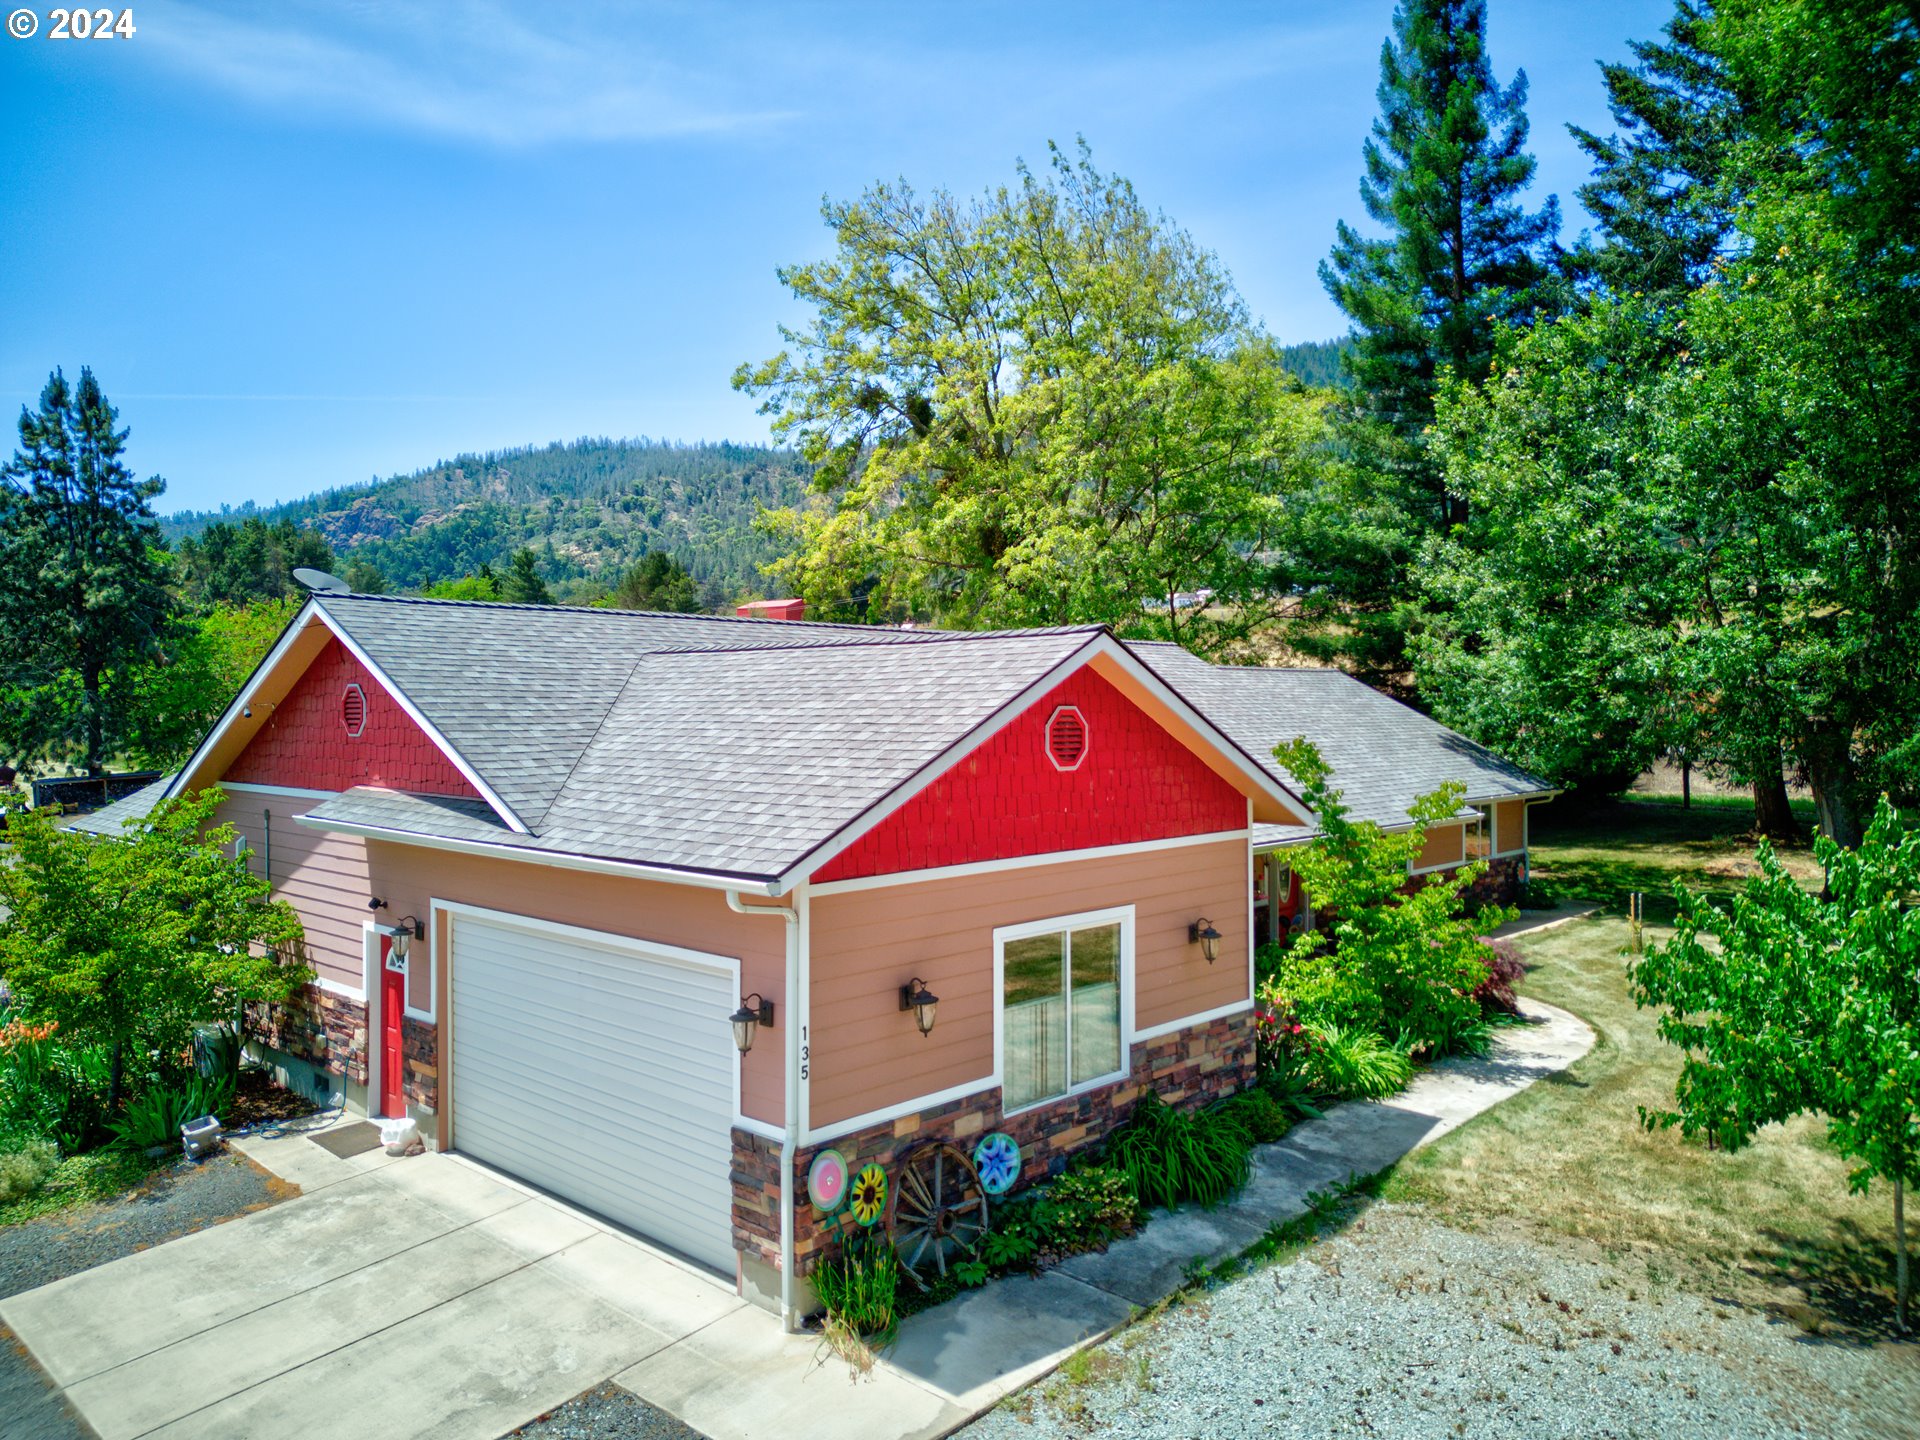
(353, 710)
(1067, 738)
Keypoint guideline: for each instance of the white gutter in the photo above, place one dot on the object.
(791, 1132)
(535, 856)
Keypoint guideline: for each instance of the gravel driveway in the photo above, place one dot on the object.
(1403, 1328)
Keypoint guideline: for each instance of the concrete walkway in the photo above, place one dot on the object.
(992, 1341)
(428, 1297)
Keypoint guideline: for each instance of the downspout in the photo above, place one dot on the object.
(791, 1131)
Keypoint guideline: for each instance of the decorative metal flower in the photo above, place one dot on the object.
(869, 1195)
(827, 1181)
(997, 1158)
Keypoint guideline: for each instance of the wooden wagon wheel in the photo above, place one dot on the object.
(937, 1209)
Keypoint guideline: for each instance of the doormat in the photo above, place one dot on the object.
(348, 1140)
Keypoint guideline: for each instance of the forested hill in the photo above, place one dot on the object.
(1317, 362)
(588, 509)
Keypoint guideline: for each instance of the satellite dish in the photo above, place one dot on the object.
(321, 583)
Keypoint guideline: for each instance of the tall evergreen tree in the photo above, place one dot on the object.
(1445, 167)
(1661, 188)
(83, 592)
(522, 584)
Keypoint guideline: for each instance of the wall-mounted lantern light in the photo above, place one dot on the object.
(747, 1020)
(915, 996)
(404, 932)
(1202, 933)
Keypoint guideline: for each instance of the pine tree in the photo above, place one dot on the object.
(83, 574)
(523, 585)
(1445, 166)
(1660, 189)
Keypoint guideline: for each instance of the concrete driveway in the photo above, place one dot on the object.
(420, 1297)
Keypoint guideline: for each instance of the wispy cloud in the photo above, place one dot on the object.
(468, 69)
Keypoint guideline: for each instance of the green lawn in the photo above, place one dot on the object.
(1773, 1226)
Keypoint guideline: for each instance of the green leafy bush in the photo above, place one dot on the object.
(1085, 1209)
(1259, 1113)
(860, 1289)
(155, 1118)
(1169, 1156)
(1357, 1064)
(24, 1170)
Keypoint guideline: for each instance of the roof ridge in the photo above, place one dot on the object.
(910, 638)
(518, 605)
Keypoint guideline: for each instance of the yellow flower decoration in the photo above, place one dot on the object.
(868, 1199)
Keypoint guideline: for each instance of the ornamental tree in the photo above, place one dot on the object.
(1397, 956)
(1788, 1003)
(128, 944)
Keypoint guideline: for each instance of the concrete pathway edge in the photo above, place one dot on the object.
(988, 1343)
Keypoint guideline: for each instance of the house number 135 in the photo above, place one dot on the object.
(805, 1053)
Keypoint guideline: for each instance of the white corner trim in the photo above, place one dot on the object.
(533, 856)
(758, 1127)
(345, 992)
(1024, 862)
(237, 787)
(1154, 1032)
(399, 696)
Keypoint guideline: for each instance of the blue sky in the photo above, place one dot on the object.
(305, 244)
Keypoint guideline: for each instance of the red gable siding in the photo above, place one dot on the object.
(305, 743)
(1136, 783)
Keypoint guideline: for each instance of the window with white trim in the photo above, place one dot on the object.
(1479, 834)
(1061, 1007)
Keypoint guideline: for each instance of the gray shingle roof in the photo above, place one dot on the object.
(112, 819)
(1384, 754)
(520, 690)
(736, 759)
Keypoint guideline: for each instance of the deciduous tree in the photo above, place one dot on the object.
(1802, 1003)
(129, 943)
(1043, 406)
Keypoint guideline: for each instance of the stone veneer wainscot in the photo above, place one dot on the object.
(1187, 1067)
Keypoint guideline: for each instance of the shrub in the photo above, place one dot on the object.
(1169, 1156)
(860, 1289)
(155, 1118)
(1358, 1064)
(26, 1169)
(1085, 1209)
(1505, 969)
(1259, 1113)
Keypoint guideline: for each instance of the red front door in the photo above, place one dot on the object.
(393, 1005)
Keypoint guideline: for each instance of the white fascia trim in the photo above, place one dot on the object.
(537, 857)
(1154, 1032)
(487, 792)
(1024, 862)
(1224, 743)
(345, 992)
(1097, 645)
(758, 1127)
(296, 627)
(890, 1113)
(241, 788)
(881, 809)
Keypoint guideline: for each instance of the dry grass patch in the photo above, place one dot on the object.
(1772, 1226)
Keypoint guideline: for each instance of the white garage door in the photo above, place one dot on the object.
(601, 1070)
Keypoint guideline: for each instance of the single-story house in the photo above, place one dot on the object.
(650, 910)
